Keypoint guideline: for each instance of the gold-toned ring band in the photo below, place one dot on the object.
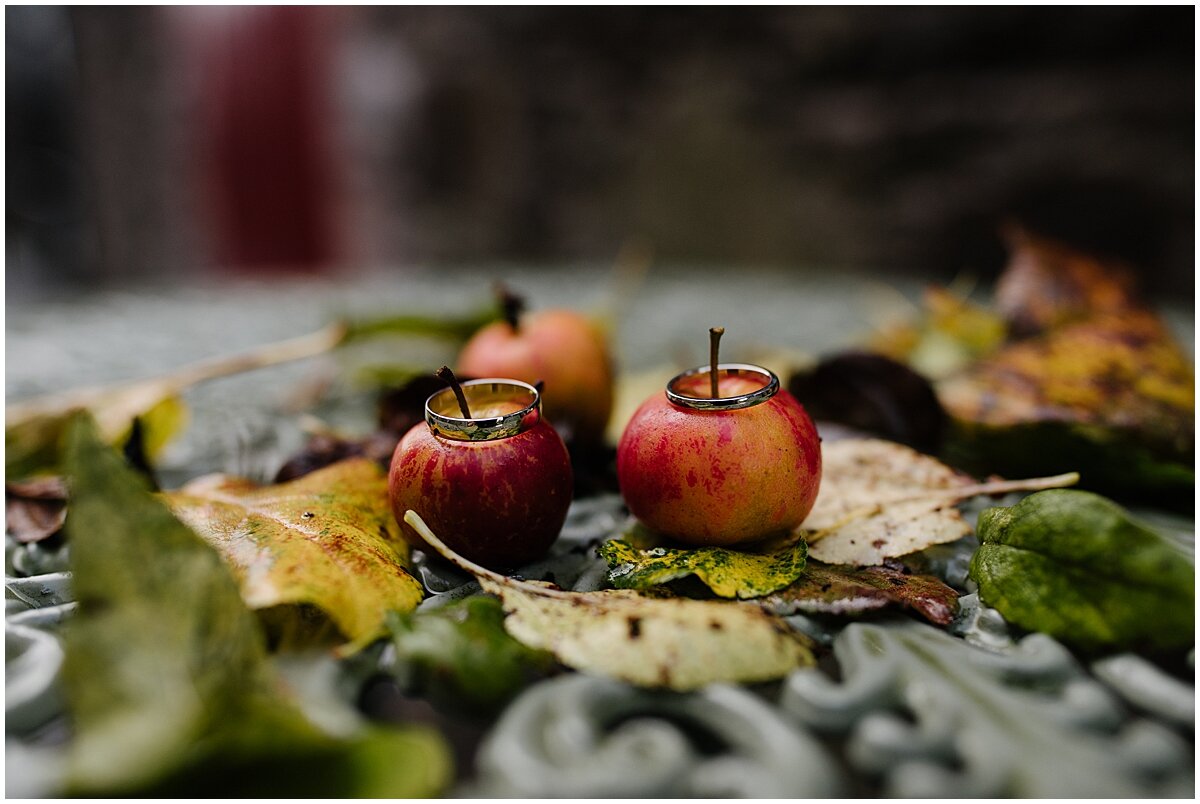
(480, 391)
(756, 397)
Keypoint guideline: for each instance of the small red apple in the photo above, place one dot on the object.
(561, 348)
(721, 458)
(493, 484)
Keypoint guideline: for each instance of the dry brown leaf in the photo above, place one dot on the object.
(882, 500)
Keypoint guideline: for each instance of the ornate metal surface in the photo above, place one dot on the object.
(899, 708)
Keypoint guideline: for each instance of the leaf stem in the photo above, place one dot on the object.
(416, 523)
(951, 495)
(311, 345)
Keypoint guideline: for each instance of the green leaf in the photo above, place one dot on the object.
(826, 589)
(1076, 566)
(728, 573)
(460, 655)
(327, 540)
(454, 328)
(676, 643)
(166, 675)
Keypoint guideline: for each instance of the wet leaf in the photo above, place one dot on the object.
(459, 655)
(881, 500)
(1113, 395)
(728, 573)
(35, 509)
(166, 674)
(1076, 566)
(827, 589)
(328, 540)
(675, 643)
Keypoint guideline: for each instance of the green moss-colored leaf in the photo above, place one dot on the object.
(460, 656)
(326, 540)
(165, 671)
(728, 573)
(830, 589)
(1109, 461)
(1076, 566)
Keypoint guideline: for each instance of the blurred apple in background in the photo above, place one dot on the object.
(561, 348)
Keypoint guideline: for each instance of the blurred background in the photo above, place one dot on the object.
(163, 145)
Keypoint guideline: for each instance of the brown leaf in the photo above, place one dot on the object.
(1120, 371)
(35, 509)
(882, 500)
(829, 589)
(1047, 284)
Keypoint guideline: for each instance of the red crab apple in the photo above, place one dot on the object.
(488, 475)
(559, 347)
(723, 457)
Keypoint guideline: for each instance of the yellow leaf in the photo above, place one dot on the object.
(676, 643)
(327, 540)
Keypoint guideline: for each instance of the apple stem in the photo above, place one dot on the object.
(714, 349)
(447, 376)
(511, 305)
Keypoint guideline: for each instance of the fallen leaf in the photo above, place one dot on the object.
(460, 656)
(166, 673)
(826, 589)
(875, 394)
(1076, 566)
(34, 428)
(35, 509)
(327, 540)
(950, 333)
(1112, 395)
(1048, 283)
(728, 573)
(676, 643)
(881, 500)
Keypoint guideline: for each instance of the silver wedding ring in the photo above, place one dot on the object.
(444, 417)
(769, 389)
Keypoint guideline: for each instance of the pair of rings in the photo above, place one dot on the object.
(441, 404)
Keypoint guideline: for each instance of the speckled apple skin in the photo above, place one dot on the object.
(499, 503)
(720, 477)
(563, 349)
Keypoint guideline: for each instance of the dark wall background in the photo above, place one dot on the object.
(890, 138)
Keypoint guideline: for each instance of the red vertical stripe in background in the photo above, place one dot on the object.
(265, 136)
